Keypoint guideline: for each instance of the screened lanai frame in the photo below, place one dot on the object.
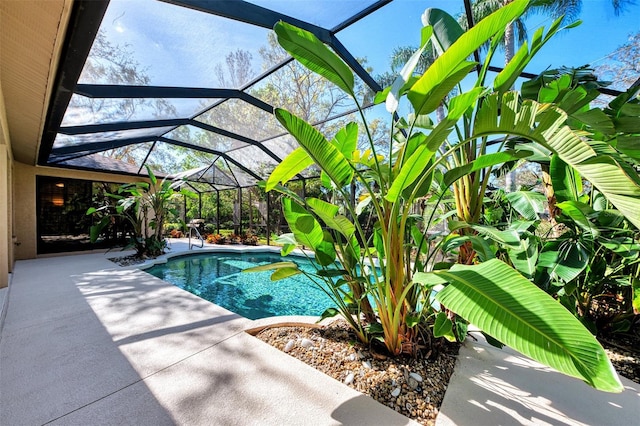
(77, 145)
(72, 140)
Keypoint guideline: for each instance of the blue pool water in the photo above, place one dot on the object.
(218, 278)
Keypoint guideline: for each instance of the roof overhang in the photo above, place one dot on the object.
(31, 44)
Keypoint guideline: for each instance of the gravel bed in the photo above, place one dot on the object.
(624, 353)
(414, 387)
(129, 260)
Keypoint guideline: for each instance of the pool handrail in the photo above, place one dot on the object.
(193, 226)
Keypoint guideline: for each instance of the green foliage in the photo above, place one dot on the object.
(591, 265)
(145, 206)
(383, 281)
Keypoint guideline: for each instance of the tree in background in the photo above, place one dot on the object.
(623, 65)
(238, 70)
(516, 31)
(400, 56)
(109, 63)
(310, 96)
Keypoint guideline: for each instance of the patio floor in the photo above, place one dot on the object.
(84, 342)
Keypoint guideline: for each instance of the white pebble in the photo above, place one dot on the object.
(349, 379)
(290, 344)
(306, 343)
(395, 392)
(366, 364)
(352, 357)
(416, 376)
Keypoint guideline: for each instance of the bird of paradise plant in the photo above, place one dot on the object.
(374, 277)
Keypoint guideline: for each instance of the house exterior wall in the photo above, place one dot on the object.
(6, 209)
(6, 255)
(24, 187)
(24, 199)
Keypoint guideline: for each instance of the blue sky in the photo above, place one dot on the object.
(399, 23)
(180, 46)
(601, 32)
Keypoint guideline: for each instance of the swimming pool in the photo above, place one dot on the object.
(218, 278)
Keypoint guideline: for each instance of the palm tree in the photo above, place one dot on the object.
(517, 30)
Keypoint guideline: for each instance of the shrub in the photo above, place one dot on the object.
(216, 239)
(250, 239)
(145, 206)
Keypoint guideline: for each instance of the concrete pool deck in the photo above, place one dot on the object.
(87, 343)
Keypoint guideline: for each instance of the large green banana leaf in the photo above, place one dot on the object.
(324, 154)
(511, 72)
(629, 145)
(528, 203)
(306, 229)
(329, 215)
(290, 166)
(310, 52)
(406, 73)
(504, 304)
(563, 260)
(446, 29)
(346, 140)
(412, 169)
(567, 184)
(308, 232)
(525, 257)
(580, 213)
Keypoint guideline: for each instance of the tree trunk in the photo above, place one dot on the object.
(509, 51)
(551, 200)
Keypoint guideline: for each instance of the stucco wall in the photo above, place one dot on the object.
(24, 186)
(24, 207)
(6, 255)
(6, 211)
